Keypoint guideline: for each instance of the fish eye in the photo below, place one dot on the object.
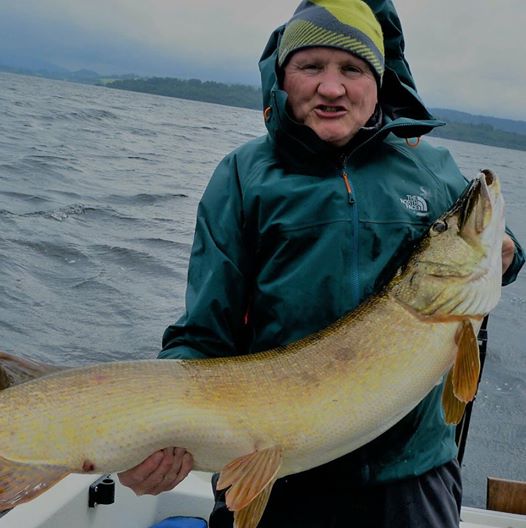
(439, 227)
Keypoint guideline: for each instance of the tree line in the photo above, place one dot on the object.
(239, 95)
(483, 134)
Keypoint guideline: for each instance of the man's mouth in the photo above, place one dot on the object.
(330, 109)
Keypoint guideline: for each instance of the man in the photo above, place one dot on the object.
(297, 228)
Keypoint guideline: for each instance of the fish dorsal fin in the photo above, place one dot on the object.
(249, 476)
(21, 482)
(250, 516)
(466, 369)
(453, 407)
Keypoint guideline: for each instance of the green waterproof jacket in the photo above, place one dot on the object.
(291, 234)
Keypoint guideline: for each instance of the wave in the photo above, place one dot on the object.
(88, 114)
(50, 264)
(164, 244)
(144, 198)
(130, 259)
(63, 212)
(33, 198)
(79, 209)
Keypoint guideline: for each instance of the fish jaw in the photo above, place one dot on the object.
(456, 271)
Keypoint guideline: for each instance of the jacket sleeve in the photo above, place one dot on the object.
(516, 264)
(216, 295)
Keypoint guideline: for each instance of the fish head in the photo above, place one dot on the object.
(456, 269)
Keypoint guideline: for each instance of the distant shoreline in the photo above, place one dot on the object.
(461, 126)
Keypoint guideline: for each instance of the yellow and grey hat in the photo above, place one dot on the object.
(349, 25)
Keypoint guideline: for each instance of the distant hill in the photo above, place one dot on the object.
(461, 126)
(507, 125)
(483, 134)
(51, 71)
(484, 130)
(54, 72)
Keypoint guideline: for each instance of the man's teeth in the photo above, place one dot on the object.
(329, 108)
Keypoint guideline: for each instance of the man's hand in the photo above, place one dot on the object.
(160, 472)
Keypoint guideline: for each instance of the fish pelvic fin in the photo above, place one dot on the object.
(462, 380)
(21, 482)
(250, 479)
(466, 370)
(453, 407)
(250, 516)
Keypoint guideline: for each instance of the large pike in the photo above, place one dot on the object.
(259, 417)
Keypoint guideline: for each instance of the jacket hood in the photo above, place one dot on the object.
(404, 113)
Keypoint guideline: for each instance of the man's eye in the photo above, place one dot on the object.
(311, 67)
(351, 69)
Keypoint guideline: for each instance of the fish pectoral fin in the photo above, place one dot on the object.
(21, 482)
(249, 476)
(466, 369)
(453, 407)
(250, 516)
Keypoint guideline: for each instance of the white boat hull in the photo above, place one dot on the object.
(66, 506)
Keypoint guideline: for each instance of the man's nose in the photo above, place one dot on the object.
(331, 86)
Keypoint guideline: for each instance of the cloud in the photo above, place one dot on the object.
(466, 55)
(183, 38)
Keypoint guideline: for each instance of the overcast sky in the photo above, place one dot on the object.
(467, 55)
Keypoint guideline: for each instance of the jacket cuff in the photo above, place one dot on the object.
(516, 264)
(181, 352)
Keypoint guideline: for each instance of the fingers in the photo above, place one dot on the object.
(174, 469)
(160, 472)
(135, 477)
(182, 465)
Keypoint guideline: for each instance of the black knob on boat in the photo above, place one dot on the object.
(102, 491)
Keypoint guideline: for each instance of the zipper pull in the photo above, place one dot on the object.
(348, 187)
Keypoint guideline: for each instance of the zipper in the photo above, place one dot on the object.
(354, 273)
(348, 186)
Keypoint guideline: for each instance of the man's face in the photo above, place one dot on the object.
(331, 91)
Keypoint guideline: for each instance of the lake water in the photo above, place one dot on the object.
(98, 193)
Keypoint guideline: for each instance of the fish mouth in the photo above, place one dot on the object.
(474, 209)
(477, 208)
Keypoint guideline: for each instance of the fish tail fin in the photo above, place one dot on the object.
(20, 482)
(15, 370)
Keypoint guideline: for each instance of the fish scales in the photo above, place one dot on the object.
(254, 411)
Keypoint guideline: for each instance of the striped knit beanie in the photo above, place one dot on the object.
(349, 25)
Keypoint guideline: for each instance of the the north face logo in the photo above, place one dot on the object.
(415, 203)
